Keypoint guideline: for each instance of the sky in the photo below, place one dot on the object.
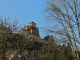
(24, 11)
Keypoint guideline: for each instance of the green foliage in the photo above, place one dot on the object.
(56, 52)
(44, 51)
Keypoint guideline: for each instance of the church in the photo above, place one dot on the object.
(30, 29)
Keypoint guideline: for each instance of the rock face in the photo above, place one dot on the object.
(30, 29)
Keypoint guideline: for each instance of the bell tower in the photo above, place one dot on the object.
(33, 30)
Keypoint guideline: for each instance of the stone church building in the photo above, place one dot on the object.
(30, 29)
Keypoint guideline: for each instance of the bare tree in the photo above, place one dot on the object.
(11, 24)
(65, 16)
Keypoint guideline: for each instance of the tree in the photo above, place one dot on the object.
(52, 51)
(70, 53)
(65, 16)
(11, 24)
(50, 39)
(7, 27)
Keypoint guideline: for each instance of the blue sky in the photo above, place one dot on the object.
(24, 11)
